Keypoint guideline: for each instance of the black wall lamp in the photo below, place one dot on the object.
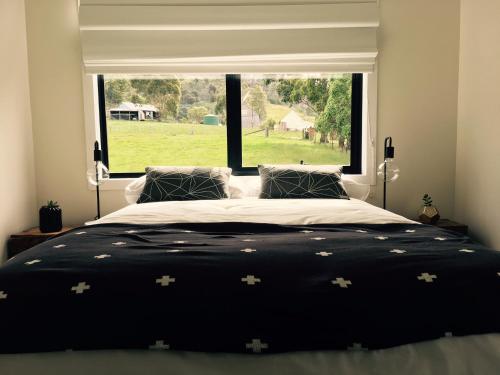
(97, 175)
(388, 171)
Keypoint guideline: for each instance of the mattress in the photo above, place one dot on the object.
(472, 355)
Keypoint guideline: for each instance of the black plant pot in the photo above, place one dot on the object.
(50, 219)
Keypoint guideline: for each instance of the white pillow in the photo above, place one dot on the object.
(244, 186)
(134, 189)
(355, 189)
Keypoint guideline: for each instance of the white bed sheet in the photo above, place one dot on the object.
(254, 210)
(448, 356)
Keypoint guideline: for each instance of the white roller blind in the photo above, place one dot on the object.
(228, 37)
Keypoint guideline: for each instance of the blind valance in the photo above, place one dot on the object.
(228, 37)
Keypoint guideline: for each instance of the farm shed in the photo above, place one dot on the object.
(137, 112)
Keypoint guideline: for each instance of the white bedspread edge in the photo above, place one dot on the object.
(254, 210)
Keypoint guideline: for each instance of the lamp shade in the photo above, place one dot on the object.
(97, 174)
(388, 171)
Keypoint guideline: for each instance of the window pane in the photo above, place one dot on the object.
(165, 121)
(286, 120)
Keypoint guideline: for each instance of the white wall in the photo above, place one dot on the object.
(477, 199)
(17, 185)
(418, 75)
(57, 109)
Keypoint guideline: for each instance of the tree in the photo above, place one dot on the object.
(257, 100)
(117, 91)
(212, 91)
(137, 98)
(165, 94)
(328, 99)
(220, 107)
(188, 98)
(336, 117)
(196, 114)
(313, 93)
(270, 123)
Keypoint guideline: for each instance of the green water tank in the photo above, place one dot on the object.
(211, 120)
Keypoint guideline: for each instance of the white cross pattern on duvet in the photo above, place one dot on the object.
(340, 281)
(248, 250)
(440, 238)
(324, 254)
(256, 345)
(159, 345)
(466, 251)
(80, 288)
(102, 256)
(34, 261)
(165, 280)
(250, 280)
(397, 251)
(428, 278)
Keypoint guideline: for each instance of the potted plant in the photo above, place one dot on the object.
(428, 214)
(50, 218)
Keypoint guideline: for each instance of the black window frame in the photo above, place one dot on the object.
(233, 127)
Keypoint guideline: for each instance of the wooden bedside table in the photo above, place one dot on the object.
(452, 225)
(19, 242)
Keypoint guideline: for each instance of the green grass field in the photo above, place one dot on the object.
(133, 145)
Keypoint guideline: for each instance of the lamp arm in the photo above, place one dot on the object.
(385, 184)
(97, 191)
(97, 159)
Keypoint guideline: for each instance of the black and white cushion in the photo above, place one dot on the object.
(300, 182)
(185, 183)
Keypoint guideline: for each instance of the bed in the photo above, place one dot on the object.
(296, 286)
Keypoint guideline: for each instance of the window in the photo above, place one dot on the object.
(236, 120)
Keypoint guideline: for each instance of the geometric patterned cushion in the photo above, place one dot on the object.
(287, 182)
(185, 183)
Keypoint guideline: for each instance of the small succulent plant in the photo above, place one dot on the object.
(50, 217)
(52, 205)
(427, 200)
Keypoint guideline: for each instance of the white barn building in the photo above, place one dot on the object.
(293, 121)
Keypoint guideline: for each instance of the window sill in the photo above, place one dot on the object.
(121, 183)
